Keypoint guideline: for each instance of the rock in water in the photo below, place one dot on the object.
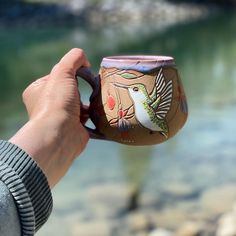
(189, 229)
(227, 224)
(160, 232)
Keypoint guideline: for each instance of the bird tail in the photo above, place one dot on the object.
(165, 134)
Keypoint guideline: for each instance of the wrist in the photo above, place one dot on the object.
(33, 138)
(53, 143)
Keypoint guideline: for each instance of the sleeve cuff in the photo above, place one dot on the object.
(28, 186)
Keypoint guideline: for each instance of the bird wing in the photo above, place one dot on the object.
(163, 95)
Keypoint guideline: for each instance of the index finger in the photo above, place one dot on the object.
(71, 62)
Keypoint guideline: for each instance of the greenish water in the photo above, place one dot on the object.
(200, 157)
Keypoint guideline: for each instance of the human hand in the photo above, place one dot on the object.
(54, 134)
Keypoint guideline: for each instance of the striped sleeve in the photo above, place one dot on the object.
(28, 186)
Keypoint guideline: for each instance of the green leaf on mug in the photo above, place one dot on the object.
(127, 75)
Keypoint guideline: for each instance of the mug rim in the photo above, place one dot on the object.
(135, 58)
(141, 63)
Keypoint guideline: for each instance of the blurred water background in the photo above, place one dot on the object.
(184, 187)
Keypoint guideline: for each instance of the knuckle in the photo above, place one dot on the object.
(25, 95)
(55, 67)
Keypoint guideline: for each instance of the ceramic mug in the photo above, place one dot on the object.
(136, 100)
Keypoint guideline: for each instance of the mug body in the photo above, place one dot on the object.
(142, 100)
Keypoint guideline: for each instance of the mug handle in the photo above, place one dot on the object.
(94, 82)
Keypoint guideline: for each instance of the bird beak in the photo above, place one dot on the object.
(120, 85)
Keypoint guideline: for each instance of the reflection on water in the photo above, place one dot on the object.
(136, 161)
(168, 177)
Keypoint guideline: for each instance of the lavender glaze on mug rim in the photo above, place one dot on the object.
(142, 63)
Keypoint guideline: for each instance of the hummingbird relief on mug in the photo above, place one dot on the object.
(149, 108)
